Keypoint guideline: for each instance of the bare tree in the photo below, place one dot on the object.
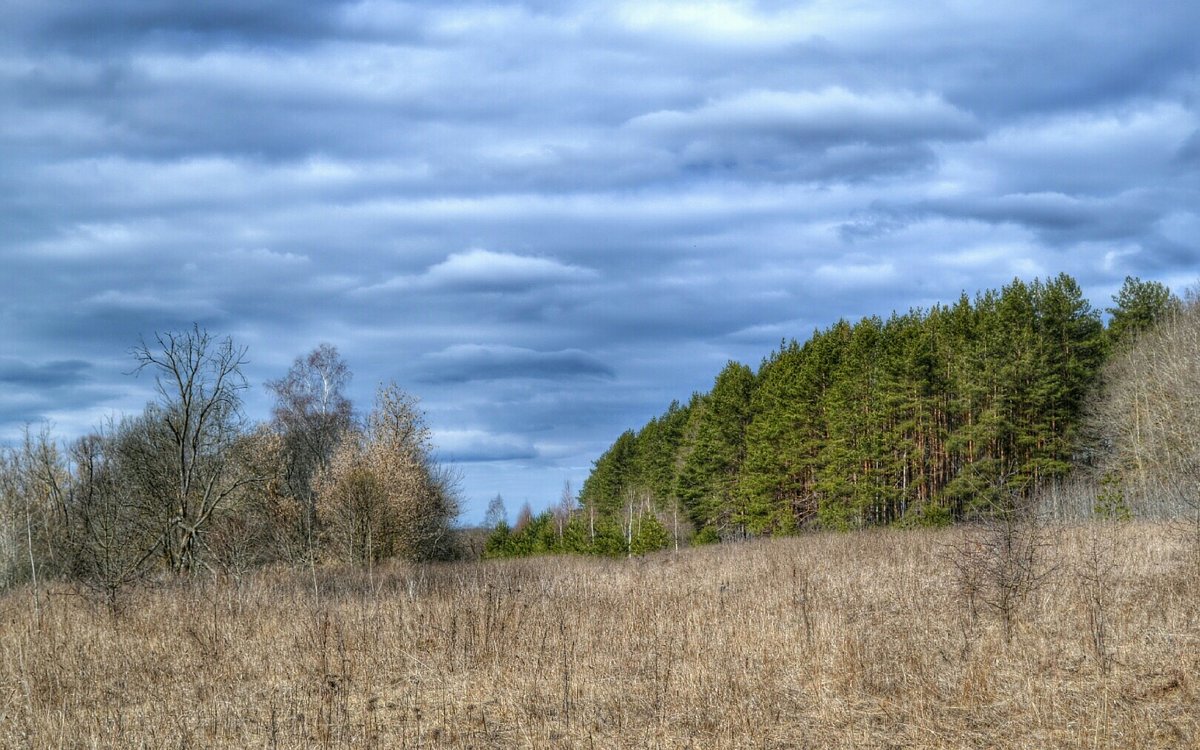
(496, 514)
(259, 525)
(34, 486)
(312, 414)
(190, 433)
(113, 541)
(11, 510)
(1097, 575)
(382, 494)
(1002, 559)
(524, 517)
(564, 509)
(1146, 426)
(355, 517)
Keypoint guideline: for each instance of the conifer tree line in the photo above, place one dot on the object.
(190, 485)
(926, 417)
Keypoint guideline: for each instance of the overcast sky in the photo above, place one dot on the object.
(549, 219)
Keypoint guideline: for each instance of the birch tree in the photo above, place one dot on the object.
(311, 416)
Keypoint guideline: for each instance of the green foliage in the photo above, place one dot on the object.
(1110, 501)
(648, 535)
(638, 535)
(931, 516)
(706, 535)
(1139, 305)
(499, 543)
(612, 474)
(713, 449)
(921, 418)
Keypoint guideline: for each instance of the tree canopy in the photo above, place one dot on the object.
(923, 417)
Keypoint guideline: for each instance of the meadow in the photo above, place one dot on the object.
(855, 640)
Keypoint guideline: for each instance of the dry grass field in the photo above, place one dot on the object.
(834, 640)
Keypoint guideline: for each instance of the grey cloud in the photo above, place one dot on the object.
(1189, 153)
(833, 115)
(54, 374)
(470, 362)
(37, 392)
(67, 24)
(1058, 217)
(877, 221)
(827, 135)
(613, 198)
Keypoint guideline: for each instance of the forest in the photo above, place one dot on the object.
(192, 486)
(923, 418)
(1017, 396)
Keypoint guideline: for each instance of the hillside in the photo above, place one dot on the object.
(865, 640)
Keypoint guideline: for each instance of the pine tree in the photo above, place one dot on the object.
(1138, 306)
(612, 474)
(708, 477)
(776, 491)
(922, 418)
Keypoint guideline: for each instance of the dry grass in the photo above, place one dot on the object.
(853, 640)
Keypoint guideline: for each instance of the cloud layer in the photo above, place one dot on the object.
(550, 219)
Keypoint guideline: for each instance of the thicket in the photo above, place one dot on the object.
(926, 418)
(1146, 425)
(190, 485)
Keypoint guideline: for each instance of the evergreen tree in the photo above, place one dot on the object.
(612, 474)
(708, 477)
(923, 418)
(776, 492)
(1139, 305)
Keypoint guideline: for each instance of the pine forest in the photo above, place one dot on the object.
(923, 418)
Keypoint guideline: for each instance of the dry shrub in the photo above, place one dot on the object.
(830, 640)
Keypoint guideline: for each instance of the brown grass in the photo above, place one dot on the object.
(839, 640)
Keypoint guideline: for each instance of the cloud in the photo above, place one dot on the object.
(1189, 153)
(833, 115)
(490, 271)
(735, 24)
(1058, 218)
(72, 395)
(487, 271)
(856, 275)
(548, 219)
(827, 135)
(474, 362)
(480, 446)
(54, 374)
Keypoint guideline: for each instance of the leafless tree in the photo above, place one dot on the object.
(10, 512)
(496, 514)
(382, 494)
(312, 414)
(1096, 572)
(1002, 559)
(114, 536)
(524, 517)
(34, 483)
(259, 524)
(564, 509)
(190, 433)
(1146, 425)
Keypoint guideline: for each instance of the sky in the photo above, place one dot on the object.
(549, 219)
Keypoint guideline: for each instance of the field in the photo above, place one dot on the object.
(861, 640)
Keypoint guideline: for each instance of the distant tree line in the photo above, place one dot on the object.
(190, 485)
(927, 418)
